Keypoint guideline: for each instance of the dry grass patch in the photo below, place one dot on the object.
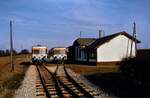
(90, 69)
(48, 64)
(10, 81)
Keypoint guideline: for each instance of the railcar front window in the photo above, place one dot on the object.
(42, 51)
(59, 52)
(35, 51)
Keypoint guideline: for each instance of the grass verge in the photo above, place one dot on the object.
(9, 86)
(10, 81)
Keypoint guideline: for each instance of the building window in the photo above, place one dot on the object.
(92, 55)
(85, 55)
(76, 53)
(79, 53)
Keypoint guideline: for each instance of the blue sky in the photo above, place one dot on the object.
(58, 22)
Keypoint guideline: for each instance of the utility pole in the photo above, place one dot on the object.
(134, 32)
(11, 47)
(134, 39)
(80, 34)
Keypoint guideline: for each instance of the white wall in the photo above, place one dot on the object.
(115, 49)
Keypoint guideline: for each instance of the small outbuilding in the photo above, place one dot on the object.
(106, 50)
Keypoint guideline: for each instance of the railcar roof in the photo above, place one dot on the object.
(37, 47)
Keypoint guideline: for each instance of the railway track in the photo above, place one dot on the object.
(60, 84)
(47, 83)
(76, 86)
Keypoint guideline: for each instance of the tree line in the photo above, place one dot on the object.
(7, 52)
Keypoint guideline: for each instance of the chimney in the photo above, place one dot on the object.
(101, 33)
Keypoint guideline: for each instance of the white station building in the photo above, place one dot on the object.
(105, 50)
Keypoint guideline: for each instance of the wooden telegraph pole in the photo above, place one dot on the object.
(80, 34)
(134, 31)
(11, 47)
(134, 38)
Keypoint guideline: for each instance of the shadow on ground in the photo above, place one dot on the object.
(25, 63)
(119, 86)
(133, 80)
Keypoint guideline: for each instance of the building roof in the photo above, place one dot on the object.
(95, 42)
(84, 41)
(39, 46)
(105, 39)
